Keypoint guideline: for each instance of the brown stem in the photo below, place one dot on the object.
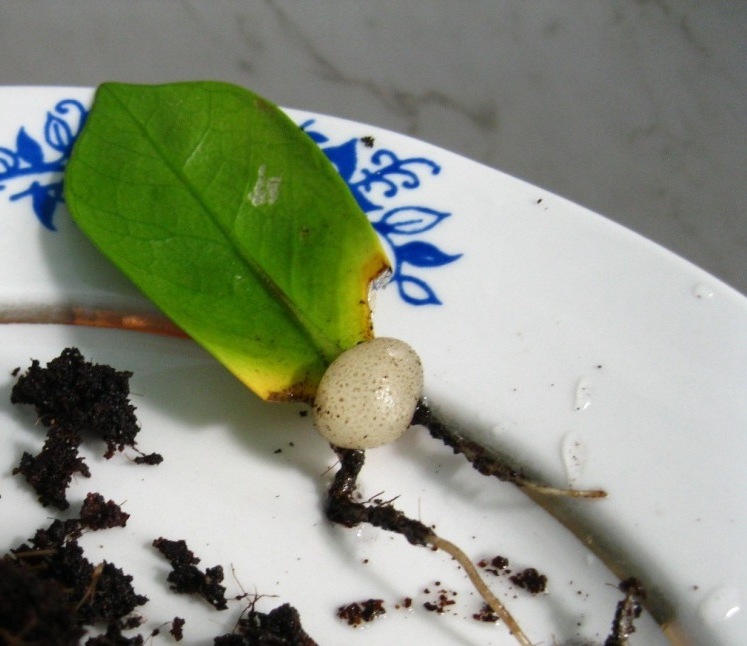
(148, 322)
(342, 509)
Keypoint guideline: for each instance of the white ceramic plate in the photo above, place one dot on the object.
(594, 355)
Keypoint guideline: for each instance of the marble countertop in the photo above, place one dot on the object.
(635, 110)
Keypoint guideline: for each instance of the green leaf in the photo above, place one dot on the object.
(227, 216)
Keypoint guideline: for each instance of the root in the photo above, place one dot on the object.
(559, 504)
(342, 509)
(493, 602)
(490, 464)
(91, 588)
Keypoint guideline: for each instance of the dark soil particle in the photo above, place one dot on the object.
(486, 615)
(360, 612)
(35, 608)
(177, 628)
(186, 578)
(627, 611)
(176, 552)
(406, 603)
(279, 627)
(151, 459)
(98, 513)
(497, 565)
(109, 595)
(442, 602)
(114, 637)
(93, 593)
(81, 397)
(75, 399)
(51, 471)
(530, 580)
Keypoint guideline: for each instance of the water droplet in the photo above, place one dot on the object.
(703, 292)
(583, 394)
(573, 452)
(721, 604)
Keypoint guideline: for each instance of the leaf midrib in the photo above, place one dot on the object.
(326, 348)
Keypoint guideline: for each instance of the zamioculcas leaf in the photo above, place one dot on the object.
(229, 218)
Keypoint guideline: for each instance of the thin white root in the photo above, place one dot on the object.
(495, 604)
(676, 634)
(547, 490)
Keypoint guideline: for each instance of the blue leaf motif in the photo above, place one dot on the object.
(44, 199)
(423, 254)
(29, 149)
(415, 291)
(409, 220)
(58, 134)
(344, 157)
(8, 161)
(316, 136)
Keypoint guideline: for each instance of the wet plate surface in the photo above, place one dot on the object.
(583, 349)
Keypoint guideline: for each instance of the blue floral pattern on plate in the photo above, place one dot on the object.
(38, 166)
(43, 161)
(401, 226)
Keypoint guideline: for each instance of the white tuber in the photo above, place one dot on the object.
(368, 395)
